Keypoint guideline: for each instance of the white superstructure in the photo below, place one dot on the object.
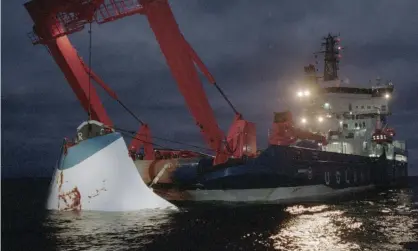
(351, 117)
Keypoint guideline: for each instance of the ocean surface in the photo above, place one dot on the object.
(379, 220)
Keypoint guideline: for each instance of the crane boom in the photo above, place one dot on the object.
(177, 54)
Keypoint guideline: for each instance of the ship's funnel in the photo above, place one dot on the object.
(97, 174)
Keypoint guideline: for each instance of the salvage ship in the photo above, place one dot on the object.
(340, 143)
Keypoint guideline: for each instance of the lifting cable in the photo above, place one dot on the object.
(159, 138)
(130, 112)
(148, 142)
(90, 40)
(165, 139)
(227, 146)
(142, 123)
(225, 97)
(132, 133)
(136, 117)
(90, 76)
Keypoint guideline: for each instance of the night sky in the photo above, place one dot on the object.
(255, 49)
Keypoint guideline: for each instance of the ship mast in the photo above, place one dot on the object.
(331, 51)
(315, 108)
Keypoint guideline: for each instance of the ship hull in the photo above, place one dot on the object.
(279, 175)
(278, 195)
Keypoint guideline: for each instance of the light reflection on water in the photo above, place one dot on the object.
(385, 223)
(320, 230)
(102, 230)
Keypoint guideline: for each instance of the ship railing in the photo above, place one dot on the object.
(112, 10)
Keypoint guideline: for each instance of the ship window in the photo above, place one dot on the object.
(368, 107)
(362, 107)
(383, 108)
(350, 107)
(355, 125)
(345, 125)
(356, 106)
(364, 124)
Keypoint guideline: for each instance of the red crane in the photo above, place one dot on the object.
(54, 20)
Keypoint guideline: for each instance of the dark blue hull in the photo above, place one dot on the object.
(286, 167)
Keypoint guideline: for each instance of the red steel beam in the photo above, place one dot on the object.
(48, 27)
(99, 81)
(177, 54)
(69, 62)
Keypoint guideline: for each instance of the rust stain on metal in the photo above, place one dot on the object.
(60, 181)
(71, 199)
